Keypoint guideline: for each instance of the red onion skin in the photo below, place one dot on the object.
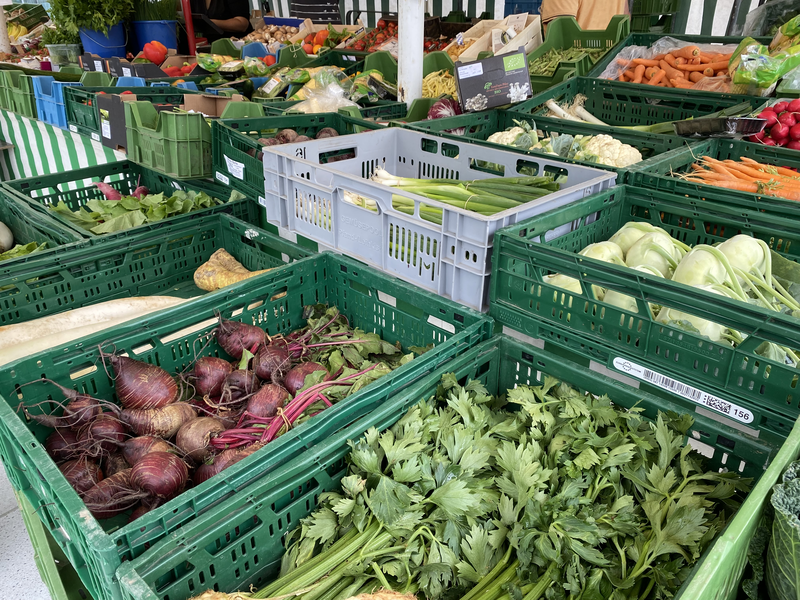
(62, 445)
(161, 474)
(134, 449)
(106, 499)
(193, 437)
(140, 385)
(236, 337)
(267, 400)
(82, 474)
(295, 378)
(272, 362)
(162, 422)
(208, 375)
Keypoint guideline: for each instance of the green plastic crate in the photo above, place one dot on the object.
(757, 391)
(158, 262)
(623, 104)
(655, 174)
(19, 90)
(788, 88)
(5, 102)
(234, 144)
(97, 79)
(334, 59)
(241, 545)
(82, 114)
(652, 23)
(387, 65)
(75, 188)
(648, 39)
(55, 570)
(381, 110)
(28, 225)
(479, 126)
(33, 15)
(564, 33)
(369, 299)
(176, 144)
(654, 7)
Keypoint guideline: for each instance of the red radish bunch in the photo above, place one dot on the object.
(783, 125)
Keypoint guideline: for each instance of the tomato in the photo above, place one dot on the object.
(381, 24)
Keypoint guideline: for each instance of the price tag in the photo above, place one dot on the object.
(236, 168)
(126, 72)
(223, 178)
(95, 136)
(73, 128)
(685, 391)
(472, 70)
(262, 201)
(460, 38)
(98, 66)
(359, 32)
(105, 128)
(270, 85)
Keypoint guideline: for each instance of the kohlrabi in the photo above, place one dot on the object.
(655, 249)
(605, 251)
(630, 233)
(708, 329)
(626, 302)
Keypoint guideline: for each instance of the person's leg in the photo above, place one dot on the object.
(596, 14)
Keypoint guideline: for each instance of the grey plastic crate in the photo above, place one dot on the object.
(307, 198)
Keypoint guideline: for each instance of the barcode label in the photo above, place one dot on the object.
(73, 128)
(95, 136)
(684, 390)
(223, 178)
(126, 72)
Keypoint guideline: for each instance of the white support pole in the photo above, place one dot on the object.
(411, 25)
(5, 43)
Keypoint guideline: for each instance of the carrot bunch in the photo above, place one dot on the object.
(747, 175)
(681, 68)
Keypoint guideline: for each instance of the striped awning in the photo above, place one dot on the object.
(41, 149)
(439, 8)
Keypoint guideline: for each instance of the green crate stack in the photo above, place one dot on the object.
(564, 33)
(479, 126)
(82, 114)
(76, 188)
(222, 547)
(663, 173)
(788, 88)
(176, 144)
(55, 570)
(235, 149)
(648, 39)
(624, 104)
(757, 389)
(29, 225)
(645, 14)
(19, 93)
(158, 262)
(381, 110)
(369, 299)
(33, 15)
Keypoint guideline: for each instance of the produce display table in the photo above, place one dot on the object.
(41, 149)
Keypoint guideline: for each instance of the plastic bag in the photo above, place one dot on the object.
(767, 18)
(256, 67)
(757, 67)
(661, 46)
(327, 99)
(786, 36)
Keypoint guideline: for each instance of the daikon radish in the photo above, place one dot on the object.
(122, 309)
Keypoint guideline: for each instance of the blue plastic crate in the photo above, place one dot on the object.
(49, 96)
(514, 7)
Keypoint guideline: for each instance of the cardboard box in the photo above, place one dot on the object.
(528, 33)
(208, 104)
(92, 62)
(493, 82)
(311, 28)
(111, 109)
(120, 67)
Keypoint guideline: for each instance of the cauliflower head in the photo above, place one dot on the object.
(610, 151)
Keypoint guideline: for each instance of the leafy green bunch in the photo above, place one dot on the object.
(97, 15)
(566, 497)
(155, 10)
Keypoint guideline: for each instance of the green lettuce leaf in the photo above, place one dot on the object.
(22, 250)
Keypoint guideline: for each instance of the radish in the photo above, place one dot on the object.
(779, 131)
(236, 337)
(757, 137)
(769, 142)
(787, 119)
(161, 474)
(782, 141)
(134, 449)
(770, 116)
(780, 107)
(793, 145)
(140, 385)
(162, 422)
(272, 362)
(193, 437)
(81, 474)
(794, 106)
(111, 496)
(296, 377)
(62, 445)
(267, 400)
(208, 375)
(109, 192)
(794, 131)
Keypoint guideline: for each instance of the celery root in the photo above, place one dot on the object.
(222, 270)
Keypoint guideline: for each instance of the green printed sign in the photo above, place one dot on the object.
(513, 62)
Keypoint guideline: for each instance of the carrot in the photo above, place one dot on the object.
(657, 77)
(686, 52)
(681, 61)
(721, 57)
(646, 62)
(649, 72)
(638, 74)
(659, 57)
(721, 73)
(705, 57)
(621, 77)
(741, 186)
(712, 66)
(694, 76)
(630, 74)
(695, 61)
(672, 73)
(679, 82)
(780, 170)
(670, 60)
(623, 62)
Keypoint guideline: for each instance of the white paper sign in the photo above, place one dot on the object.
(105, 128)
(236, 168)
(470, 70)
